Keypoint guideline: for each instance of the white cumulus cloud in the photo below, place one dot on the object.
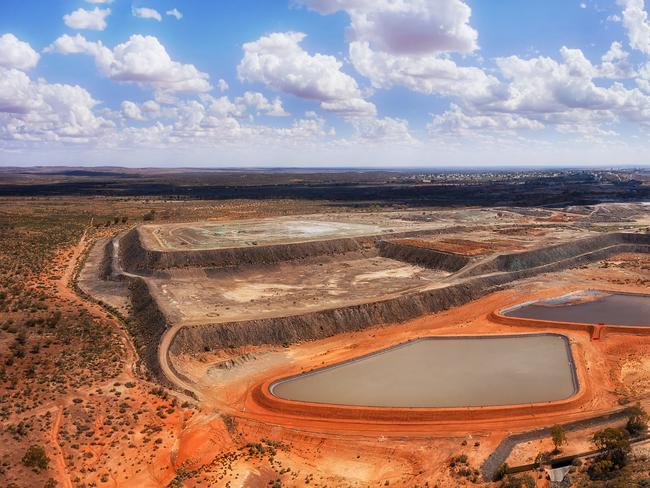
(38, 111)
(142, 60)
(456, 121)
(409, 44)
(406, 27)
(384, 130)
(260, 103)
(15, 53)
(635, 21)
(131, 111)
(426, 74)
(279, 62)
(87, 19)
(222, 85)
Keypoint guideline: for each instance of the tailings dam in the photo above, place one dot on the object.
(588, 307)
(445, 372)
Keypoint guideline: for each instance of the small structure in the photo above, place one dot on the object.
(557, 475)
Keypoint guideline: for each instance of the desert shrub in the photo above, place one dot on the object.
(525, 481)
(542, 458)
(501, 472)
(36, 459)
(637, 420)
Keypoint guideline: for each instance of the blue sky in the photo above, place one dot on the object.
(324, 82)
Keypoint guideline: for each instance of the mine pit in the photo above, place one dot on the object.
(445, 372)
(588, 307)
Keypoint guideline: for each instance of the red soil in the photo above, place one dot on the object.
(465, 247)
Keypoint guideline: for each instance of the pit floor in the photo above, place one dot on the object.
(208, 295)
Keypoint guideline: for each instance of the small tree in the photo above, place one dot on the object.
(559, 437)
(36, 458)
(541, 459)
(615, 444)
(637, 420)
(501, 471)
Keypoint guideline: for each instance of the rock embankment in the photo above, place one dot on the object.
(136, 258)
(565, 255)
(428, 258)
(147, 325)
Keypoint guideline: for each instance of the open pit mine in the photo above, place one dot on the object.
(425, 330)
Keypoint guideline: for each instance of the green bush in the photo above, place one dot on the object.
(637, 420)
(36, 459)
(501, 472)
(615, 446)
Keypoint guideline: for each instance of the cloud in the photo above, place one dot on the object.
(175, 13)
(247, 106)
(36, 110)
(456, 121)
(99, 1)
(398, 43)
(561, 94)
(428, 74)
(615, 63)
(15, 53)
(259, 102)
(131, 111)
(635, 21)
(142, 59)
(146, 13)
(222, 85)
(211, 122)
(570, 95)
(406, 27)
(87, 19)
(384, 130)
(542, 84)
(279, 62)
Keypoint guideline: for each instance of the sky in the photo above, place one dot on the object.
(337, 83)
